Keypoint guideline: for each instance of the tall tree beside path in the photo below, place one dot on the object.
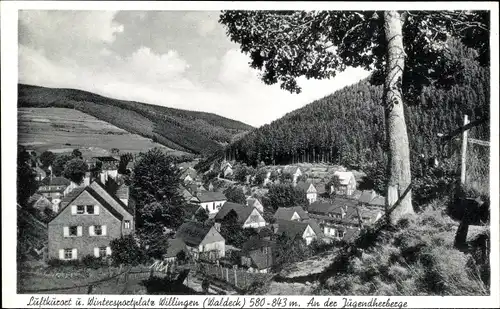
(155, 179)
(405, 50)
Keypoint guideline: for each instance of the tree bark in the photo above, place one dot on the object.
(399, 153)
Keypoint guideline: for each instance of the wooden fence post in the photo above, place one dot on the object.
(464, 151)
(235, 276)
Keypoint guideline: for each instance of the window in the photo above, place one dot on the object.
(341, 234)
(102, 251)
(73, 231)
(127, 224)
(98, 230)
(68, 254)
(80, 209)
(90, 209)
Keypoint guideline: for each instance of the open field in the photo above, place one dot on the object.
(64, 129)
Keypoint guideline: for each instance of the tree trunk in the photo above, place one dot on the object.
(397, 136)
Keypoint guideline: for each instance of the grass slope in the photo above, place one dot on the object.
(196, 132)
(58, 129)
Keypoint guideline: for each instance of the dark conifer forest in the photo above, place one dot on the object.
(347, 127)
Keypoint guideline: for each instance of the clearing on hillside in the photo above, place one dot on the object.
(63, 128)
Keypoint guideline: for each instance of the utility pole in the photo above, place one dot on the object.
(464, 151)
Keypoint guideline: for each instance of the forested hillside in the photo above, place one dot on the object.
(347, 127)
(196, 132)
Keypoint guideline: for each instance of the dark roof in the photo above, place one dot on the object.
(355, 195)
(315, 226)
(322, 207)
(350, 234)
(175, 246)
(110, 196)
(378, 201)
(34, 198)
(122, 192)
(290, 169)
(104, 202)
(366, 196)
(242, 211)
(255, 243)
(77, 191)
(106, 159)
(286, 213)
(70, 197)
(252, 200)
(211, 196)
(192, 233)
(291, 228)
(302, 185)
(55, 181)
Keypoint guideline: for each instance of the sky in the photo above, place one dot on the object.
(180, 59)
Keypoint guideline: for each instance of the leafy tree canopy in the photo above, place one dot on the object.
(284, 195)
(47, 158)
(235, 194)
(75, 170)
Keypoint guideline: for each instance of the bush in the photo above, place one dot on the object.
(56, 263)
(93, 262)
(125, 250)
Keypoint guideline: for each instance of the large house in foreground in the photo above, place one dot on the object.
(202, 241)
(89, 219)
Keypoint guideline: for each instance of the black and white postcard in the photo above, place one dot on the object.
(249, 155)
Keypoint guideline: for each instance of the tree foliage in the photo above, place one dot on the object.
(126, 251)
(233, 232)
(201, 215)
(328, 129)
(406, 51)
(75, 170)
(159, 215)
(26, 182)
(318, 44)
(47, 158)
(155, 180)
(235, 194)
(59, 164)
(284, 195)
(124, 161)
(77, 153)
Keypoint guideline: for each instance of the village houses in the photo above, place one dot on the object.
(294, 171)
(188, 175)
(344, 183)
(202, 241)
(176, 249)
(90, 217)
(309, 189)
(248, 217)
(210, 201)
(258, 254)
(254, 202)
(295, 213)
(305, 230)
(55, 188)
(340, 216)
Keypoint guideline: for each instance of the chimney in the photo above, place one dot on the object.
(86, 179)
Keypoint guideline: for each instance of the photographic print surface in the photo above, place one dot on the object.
(231, 152)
